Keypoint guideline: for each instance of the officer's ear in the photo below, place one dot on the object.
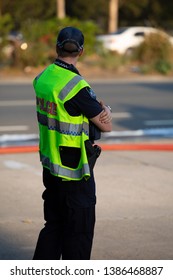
(81, 52)
(57, 49)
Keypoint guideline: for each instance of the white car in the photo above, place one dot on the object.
(127, 38)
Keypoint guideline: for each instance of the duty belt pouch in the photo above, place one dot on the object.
(93, 152)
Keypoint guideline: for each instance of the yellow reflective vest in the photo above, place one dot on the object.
(53, 87)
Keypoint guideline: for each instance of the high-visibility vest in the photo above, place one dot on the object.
(53, 87)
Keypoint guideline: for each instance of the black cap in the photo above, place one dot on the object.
(70, 35)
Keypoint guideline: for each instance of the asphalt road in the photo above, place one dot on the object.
(137, 106)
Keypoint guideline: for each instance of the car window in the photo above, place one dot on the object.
(142, 34)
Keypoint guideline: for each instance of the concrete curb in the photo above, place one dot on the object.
(104, 147)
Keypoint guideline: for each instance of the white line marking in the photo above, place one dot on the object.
(13, 128)
(18, 137)
(12, 164)
(140, 132)
(124, 133)
(159, 122)
(5, 103)
(121, 115)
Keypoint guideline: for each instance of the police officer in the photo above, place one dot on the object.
(69, 116)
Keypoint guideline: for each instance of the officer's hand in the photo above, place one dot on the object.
(105, 116)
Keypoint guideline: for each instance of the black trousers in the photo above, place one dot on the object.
(68, 231)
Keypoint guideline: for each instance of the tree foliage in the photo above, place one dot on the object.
(6, 24)
(157, 13)
(21, 11)
(96, 11)
(134, 12)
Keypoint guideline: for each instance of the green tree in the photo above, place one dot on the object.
(96, 11)
(21, 11)
(157, 13)
(134, 12)
(6, 24)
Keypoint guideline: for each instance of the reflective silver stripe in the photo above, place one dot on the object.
(64, 172)
(69, 86)
(62, 127)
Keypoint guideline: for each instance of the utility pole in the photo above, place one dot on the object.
(0, 8)
(60, 5)
(113, 16)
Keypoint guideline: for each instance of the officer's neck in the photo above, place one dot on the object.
(69, 60)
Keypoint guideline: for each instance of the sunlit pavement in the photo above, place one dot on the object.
(134, 205)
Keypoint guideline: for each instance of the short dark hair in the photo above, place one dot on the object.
(64, 53)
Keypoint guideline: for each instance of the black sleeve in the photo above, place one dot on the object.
(84, 102)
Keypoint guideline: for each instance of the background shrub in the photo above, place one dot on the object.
(42, 36)
(155, 54)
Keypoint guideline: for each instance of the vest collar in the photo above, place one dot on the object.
(66, 65)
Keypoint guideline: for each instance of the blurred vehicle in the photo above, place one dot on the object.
(17, 38)
(12, 47)
(14, 40)
(127, 38)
